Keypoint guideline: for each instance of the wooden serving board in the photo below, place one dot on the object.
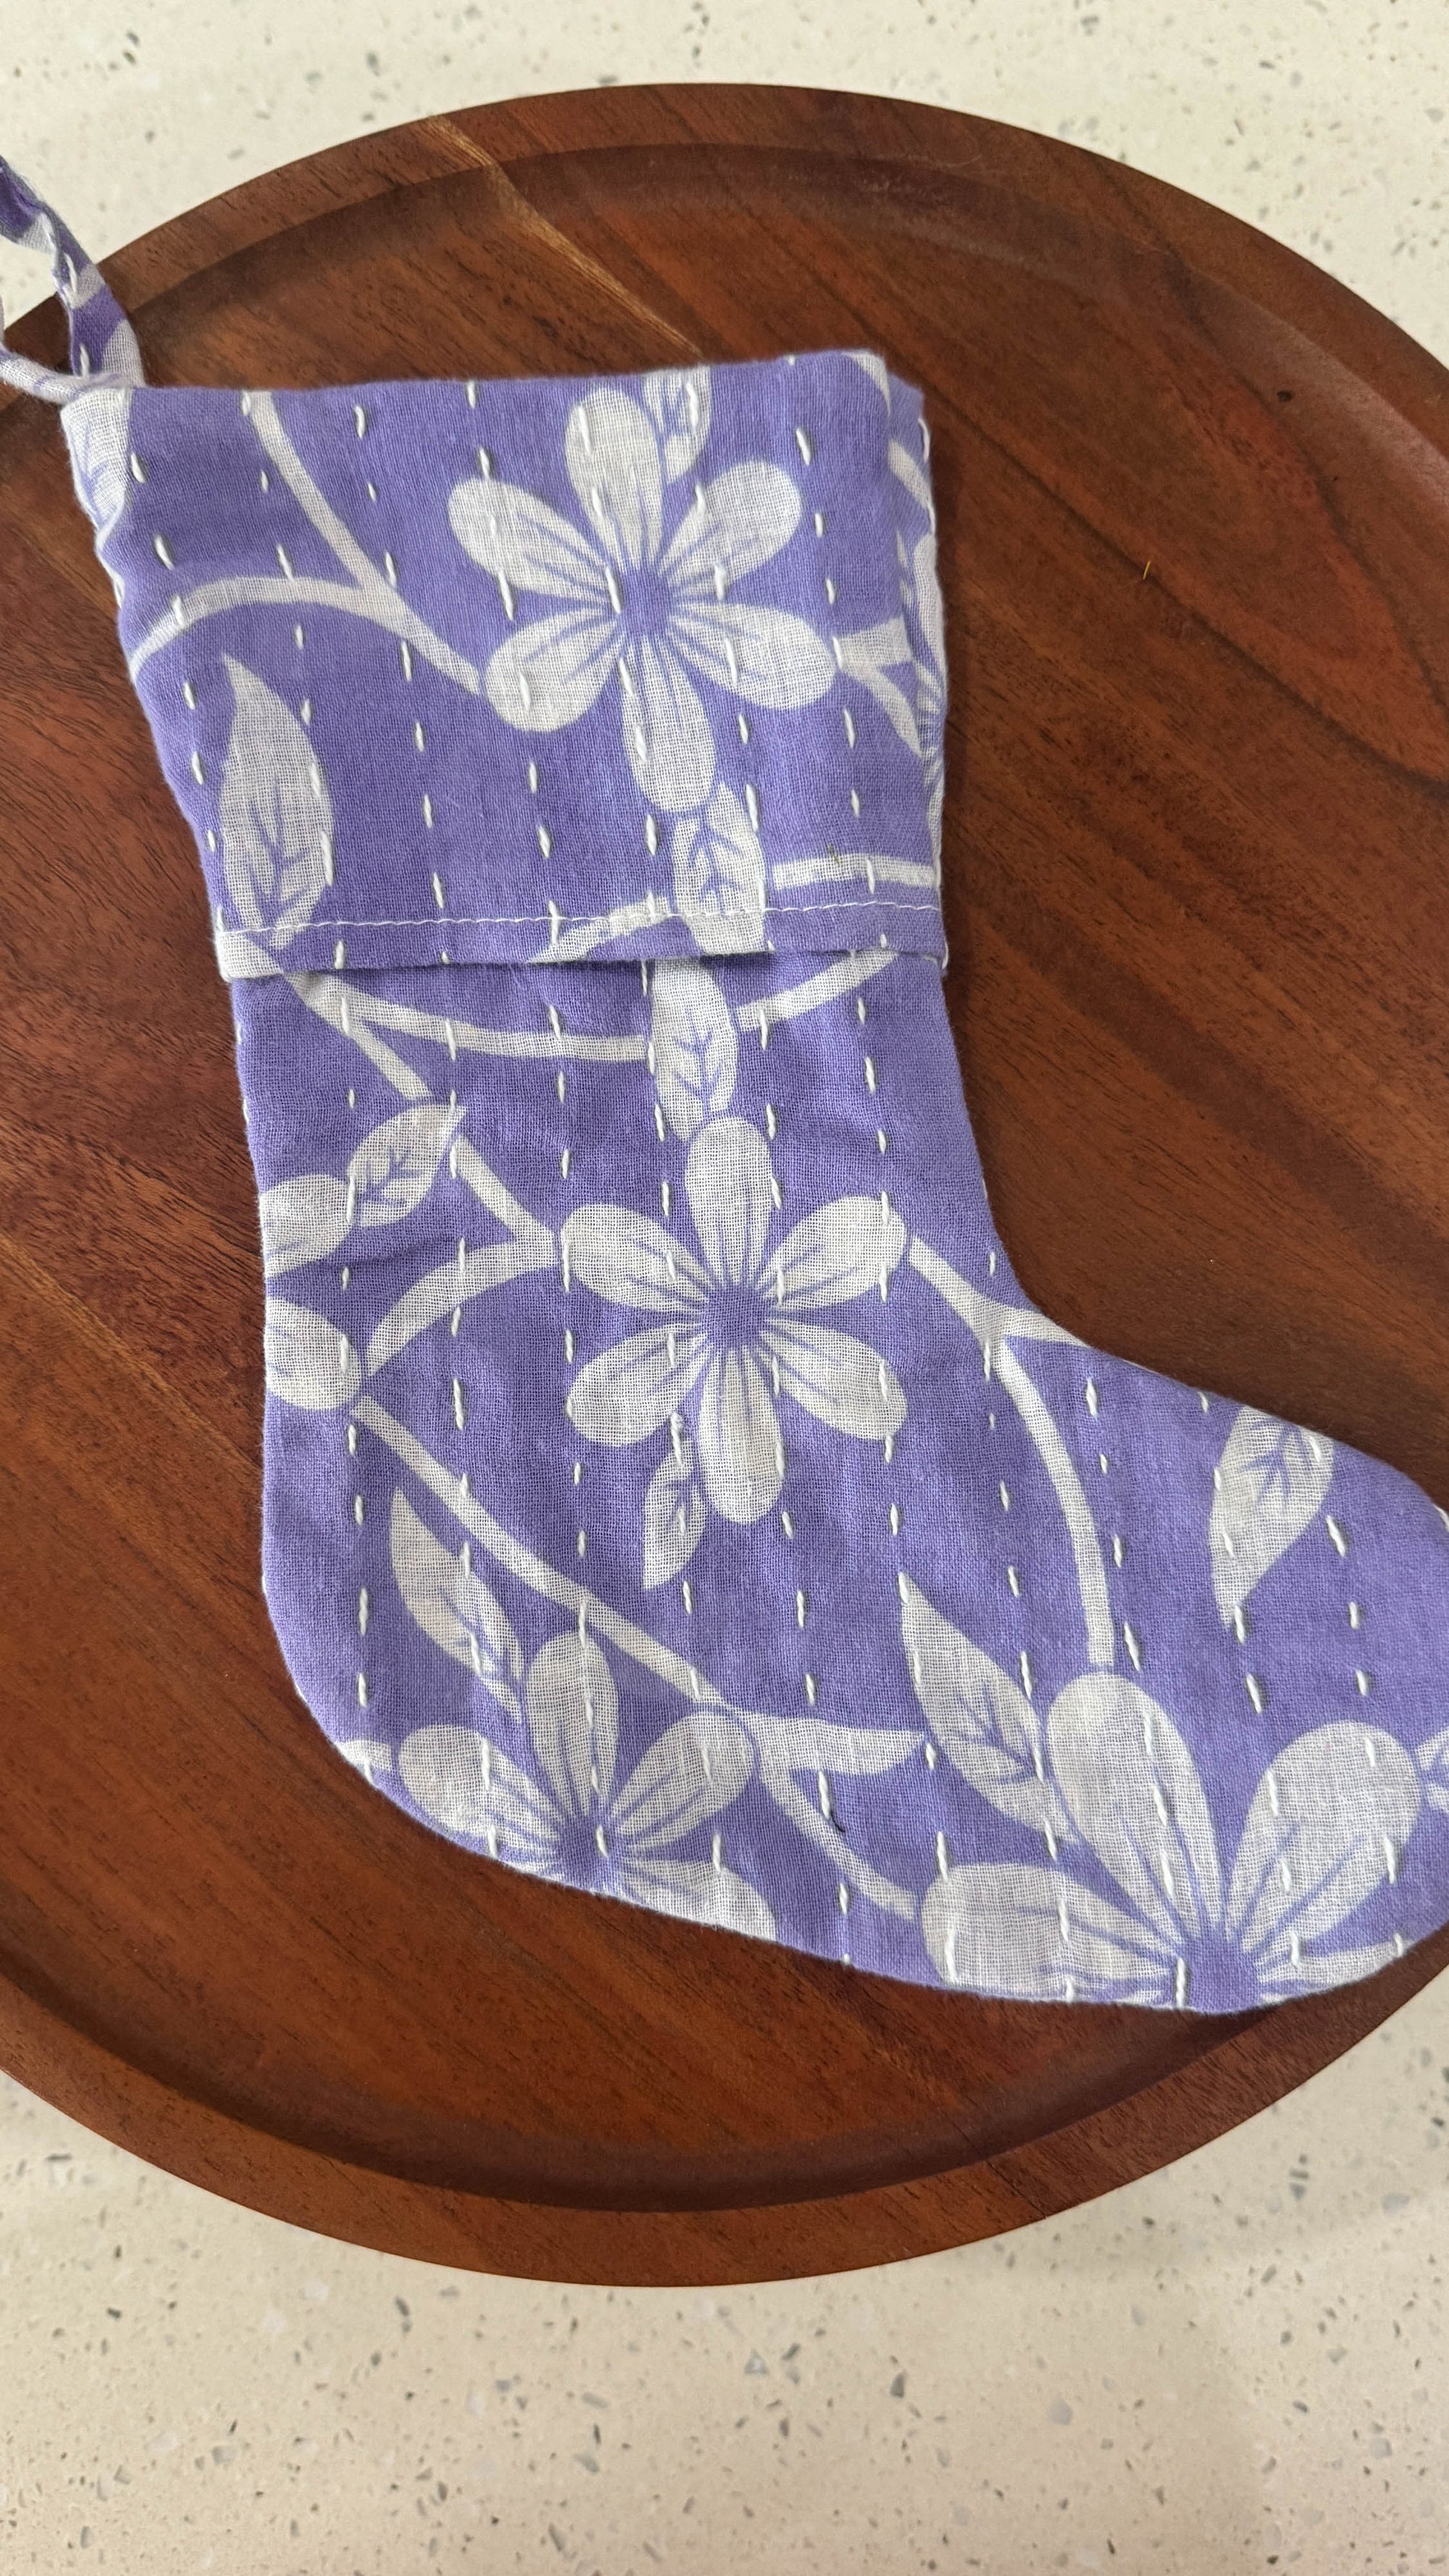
(1194, 507)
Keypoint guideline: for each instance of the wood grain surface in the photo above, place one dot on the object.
(1194, 503)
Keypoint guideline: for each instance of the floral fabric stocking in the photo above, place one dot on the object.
(668, 1487)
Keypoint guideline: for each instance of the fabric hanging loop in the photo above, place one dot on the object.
(103, 347)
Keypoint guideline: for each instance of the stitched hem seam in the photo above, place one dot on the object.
(510, 920)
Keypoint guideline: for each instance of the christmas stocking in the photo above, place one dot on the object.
(669, 1488)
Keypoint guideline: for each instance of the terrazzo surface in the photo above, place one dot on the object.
(1235, 2364)
(1232, 2365)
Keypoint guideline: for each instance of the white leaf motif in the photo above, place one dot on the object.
(96, 430)
(395, 1167)
(1134, 1790)
(696, 1050)
(1330, 1817)
(573, 1718)
(698, 1892)
(691, 1772)
(308, 1362)
(981, 1719)
(1272, 1478)
(930, 606)
(675, 1513)
(302, 1220)
(875, 368)
(868, 655)
(719, 877)
(366, 1753)
(246, 957)
(903, 465)
(1433, 1759)
(677, 401)
(454, 1607)
(276, 814)
(475, 1792)
(1037, 1935)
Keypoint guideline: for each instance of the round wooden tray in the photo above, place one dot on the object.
(1195, 551)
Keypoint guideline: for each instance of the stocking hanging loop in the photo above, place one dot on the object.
(103, 346)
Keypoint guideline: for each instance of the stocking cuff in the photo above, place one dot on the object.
(616, 666)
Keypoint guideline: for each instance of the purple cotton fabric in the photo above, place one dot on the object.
(673, 520)
(669, 1488)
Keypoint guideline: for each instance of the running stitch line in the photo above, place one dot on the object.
(507, 920)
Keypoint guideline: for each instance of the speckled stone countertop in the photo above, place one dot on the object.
(1230, 2366)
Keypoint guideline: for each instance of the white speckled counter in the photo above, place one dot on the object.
(1233, 2365)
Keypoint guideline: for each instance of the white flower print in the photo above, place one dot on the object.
(733, 1335)
(639, 600)
(1327, 1824)
(577, 1821)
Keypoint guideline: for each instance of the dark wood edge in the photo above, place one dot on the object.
(644, 2248)
(1147, 211)
(424, 2146)
(1259, 2055)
